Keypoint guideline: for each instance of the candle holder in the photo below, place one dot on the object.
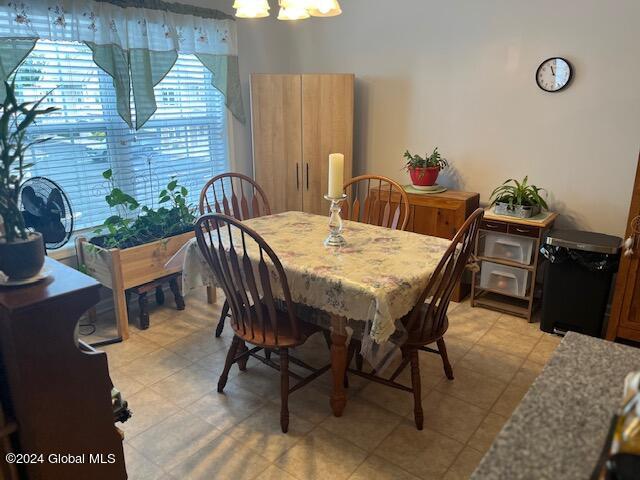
(335, 238)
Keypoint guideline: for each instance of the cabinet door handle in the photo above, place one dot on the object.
(307, 176)
(522, 230)
(297, 176)
(491, 225)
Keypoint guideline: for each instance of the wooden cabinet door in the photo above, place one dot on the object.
(276, 122)
(327, 127)
(625, 311)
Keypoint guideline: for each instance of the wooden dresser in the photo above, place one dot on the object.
(55, 395)
(440, 215)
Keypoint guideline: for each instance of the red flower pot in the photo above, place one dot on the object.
(424, 177)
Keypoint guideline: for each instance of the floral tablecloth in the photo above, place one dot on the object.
(377, 278)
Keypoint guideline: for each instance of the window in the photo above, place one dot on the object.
(185, 138)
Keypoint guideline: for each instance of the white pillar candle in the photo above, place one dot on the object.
(336, 175)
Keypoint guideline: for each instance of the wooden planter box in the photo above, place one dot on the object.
(120, 270)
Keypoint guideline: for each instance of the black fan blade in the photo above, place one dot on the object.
(55, 203)
(31, 202)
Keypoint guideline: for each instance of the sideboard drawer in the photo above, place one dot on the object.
(493, 226)
(527, 230)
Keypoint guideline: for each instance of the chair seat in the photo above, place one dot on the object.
(267, 339)
(419, 336)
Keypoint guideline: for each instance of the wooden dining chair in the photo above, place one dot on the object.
(236, 195)
(427, 322)
(257, 318)
(377, 201)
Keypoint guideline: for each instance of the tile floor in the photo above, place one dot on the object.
(183, 429)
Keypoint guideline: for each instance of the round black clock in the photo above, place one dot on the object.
(554, 74)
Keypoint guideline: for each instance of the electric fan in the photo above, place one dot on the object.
(46, 208)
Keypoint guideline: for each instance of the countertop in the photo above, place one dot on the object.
(559, 428)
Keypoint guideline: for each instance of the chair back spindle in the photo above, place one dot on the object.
(444, 278)
(248, 283)
(235, 195)
(376, 200)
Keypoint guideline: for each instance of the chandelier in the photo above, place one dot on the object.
(289, 9)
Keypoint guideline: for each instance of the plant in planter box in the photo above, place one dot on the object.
(424, 170)
(518, 199)
(151, 225)
(21, 251)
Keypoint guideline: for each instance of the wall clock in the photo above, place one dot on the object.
(554, 74)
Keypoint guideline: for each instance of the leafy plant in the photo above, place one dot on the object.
(14, 122)
(149, 225)
(514, 192)
(435, 160)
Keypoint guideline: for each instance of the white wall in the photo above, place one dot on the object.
(460, 75)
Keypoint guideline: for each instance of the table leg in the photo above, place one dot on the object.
(338, 364)
(211, 295)
(122, 316)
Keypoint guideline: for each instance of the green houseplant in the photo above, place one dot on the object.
(518, 199)
(21, 251)
(424, 171)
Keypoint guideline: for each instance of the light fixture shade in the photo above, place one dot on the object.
(293, 10)
(324, 8)
(251, 8)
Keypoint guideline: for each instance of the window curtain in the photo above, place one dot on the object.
(136, 42)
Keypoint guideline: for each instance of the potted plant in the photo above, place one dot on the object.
(132, 247)
(21, 250)
(424, 171)
(518, 199)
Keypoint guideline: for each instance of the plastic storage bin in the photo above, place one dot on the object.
(504, 279)
(509, 247)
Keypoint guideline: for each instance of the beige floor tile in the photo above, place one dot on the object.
(223, 410)
(519, 325)
(528, 372)
(510, 399)
(260, 379)
(120, 354)
(507, 341)
(392, 399)
(155, 366)
(472, 387)
(491, 362)
(551, 338)
(197, 345)
(149, 408)
(168, 332)
(456, 347)
(170, 442)
(223, 458)
(376, 468)
(543, 350)
(321, 455)
(426, 454)
(126, 384)
(187, 385)
(215, 363)
(275, 473)
(450, 416)
(363, 424)
(140, 467)
(261, 431)
(464, 465)
(311, 402)
(487, 432)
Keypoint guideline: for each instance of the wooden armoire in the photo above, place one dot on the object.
(624, 322)
(296, 122)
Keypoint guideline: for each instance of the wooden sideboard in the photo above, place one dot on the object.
(55, 394)
(440, 215)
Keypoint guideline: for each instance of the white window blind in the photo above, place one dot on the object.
(186, 138)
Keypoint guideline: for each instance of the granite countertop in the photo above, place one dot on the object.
(559, 429)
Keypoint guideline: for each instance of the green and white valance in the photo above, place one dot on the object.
(135, 41)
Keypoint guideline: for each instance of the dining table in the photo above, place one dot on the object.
(363, 288)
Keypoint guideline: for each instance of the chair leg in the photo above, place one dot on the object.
(223, 318)
(417, 391)
(267, 354)
(359, 361)
(231, 354)
(284, 390)
(159, 295)
(242, 363)
(442, 348)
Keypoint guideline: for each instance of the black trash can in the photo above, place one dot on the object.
(578, 280)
